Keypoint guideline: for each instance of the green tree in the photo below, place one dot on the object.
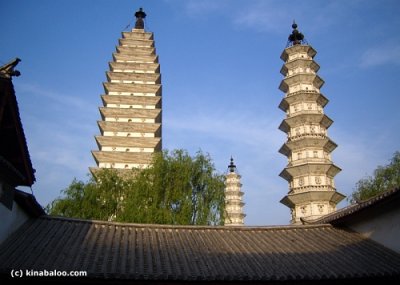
(175, 189)
(384, 178)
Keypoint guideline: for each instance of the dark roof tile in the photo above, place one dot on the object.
(161, 252)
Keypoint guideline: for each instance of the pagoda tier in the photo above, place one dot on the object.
(131, 116)
(310, 171)
(131, 102)
(144, 78)
(234, 215)
(106, 128)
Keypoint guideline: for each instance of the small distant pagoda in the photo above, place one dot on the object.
(130, 123)
(310, 170)
(233, 198)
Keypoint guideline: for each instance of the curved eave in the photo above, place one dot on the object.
(234, 203)
(132, 42)
(133, 67)
(305, 118)
(311, 141)
(312, 196)
(106, 126)
(129, 113)
(298, 78)
(298, 48)
(238, 193)
(132, 50)
(138, 35)
(122, 157)
(132, 88)
(140, 58)
(128, 142)
(132, 100)
(131, 76)
(312, 167)
(299, 62)
(303, 96)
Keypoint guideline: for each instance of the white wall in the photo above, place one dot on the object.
(11, 220)
(382, 227)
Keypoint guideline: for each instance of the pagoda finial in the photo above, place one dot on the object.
(140, 15)
(232, 166)
(295, 38)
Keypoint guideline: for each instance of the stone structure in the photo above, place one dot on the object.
(310, 170)
(131, 114)
(233, 198)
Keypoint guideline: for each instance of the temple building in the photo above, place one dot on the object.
(234, 215)
(310, 170)
(130, 123)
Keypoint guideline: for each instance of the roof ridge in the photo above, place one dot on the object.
(191, 227)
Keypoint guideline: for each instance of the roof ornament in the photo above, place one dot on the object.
(140, 15)
(296, 38)
(232, 166)
(7, 70)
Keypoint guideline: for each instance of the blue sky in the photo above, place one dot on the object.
(220, 63)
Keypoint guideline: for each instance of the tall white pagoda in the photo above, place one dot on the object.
(130, 123)
(234, 215)
(310, 171)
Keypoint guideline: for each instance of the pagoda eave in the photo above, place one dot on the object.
(122, 157)
(311, 52)
(134, 67)
(154, 101)
(138, 34)
(131, 88)
(303, 96)
(129, 113)
(309, 166)
(128, 142)
(129, 77)
(136, 42)
(298, 78)
(118, 57)
(305, 117)
(308, 141)
(133, 50)
(106, 126)
(299, 62)
(291, 200)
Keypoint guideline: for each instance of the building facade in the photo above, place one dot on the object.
(130, 125)
(234, 215)
(310, 171)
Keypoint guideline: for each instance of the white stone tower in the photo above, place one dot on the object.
(131, 114)
(234, 215)
(310, 170)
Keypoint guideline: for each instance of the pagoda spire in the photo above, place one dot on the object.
(140, 16)
(295, 38)
(310, 171)
(233, 197)
(232, 166)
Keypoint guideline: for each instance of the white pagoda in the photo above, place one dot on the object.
(130, 123)
(310, 171)
(234, 215)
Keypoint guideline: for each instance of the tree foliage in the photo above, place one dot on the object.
(384, 178)
(175, 189)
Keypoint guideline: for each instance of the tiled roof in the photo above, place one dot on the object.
(108, 250)
(355, 209)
